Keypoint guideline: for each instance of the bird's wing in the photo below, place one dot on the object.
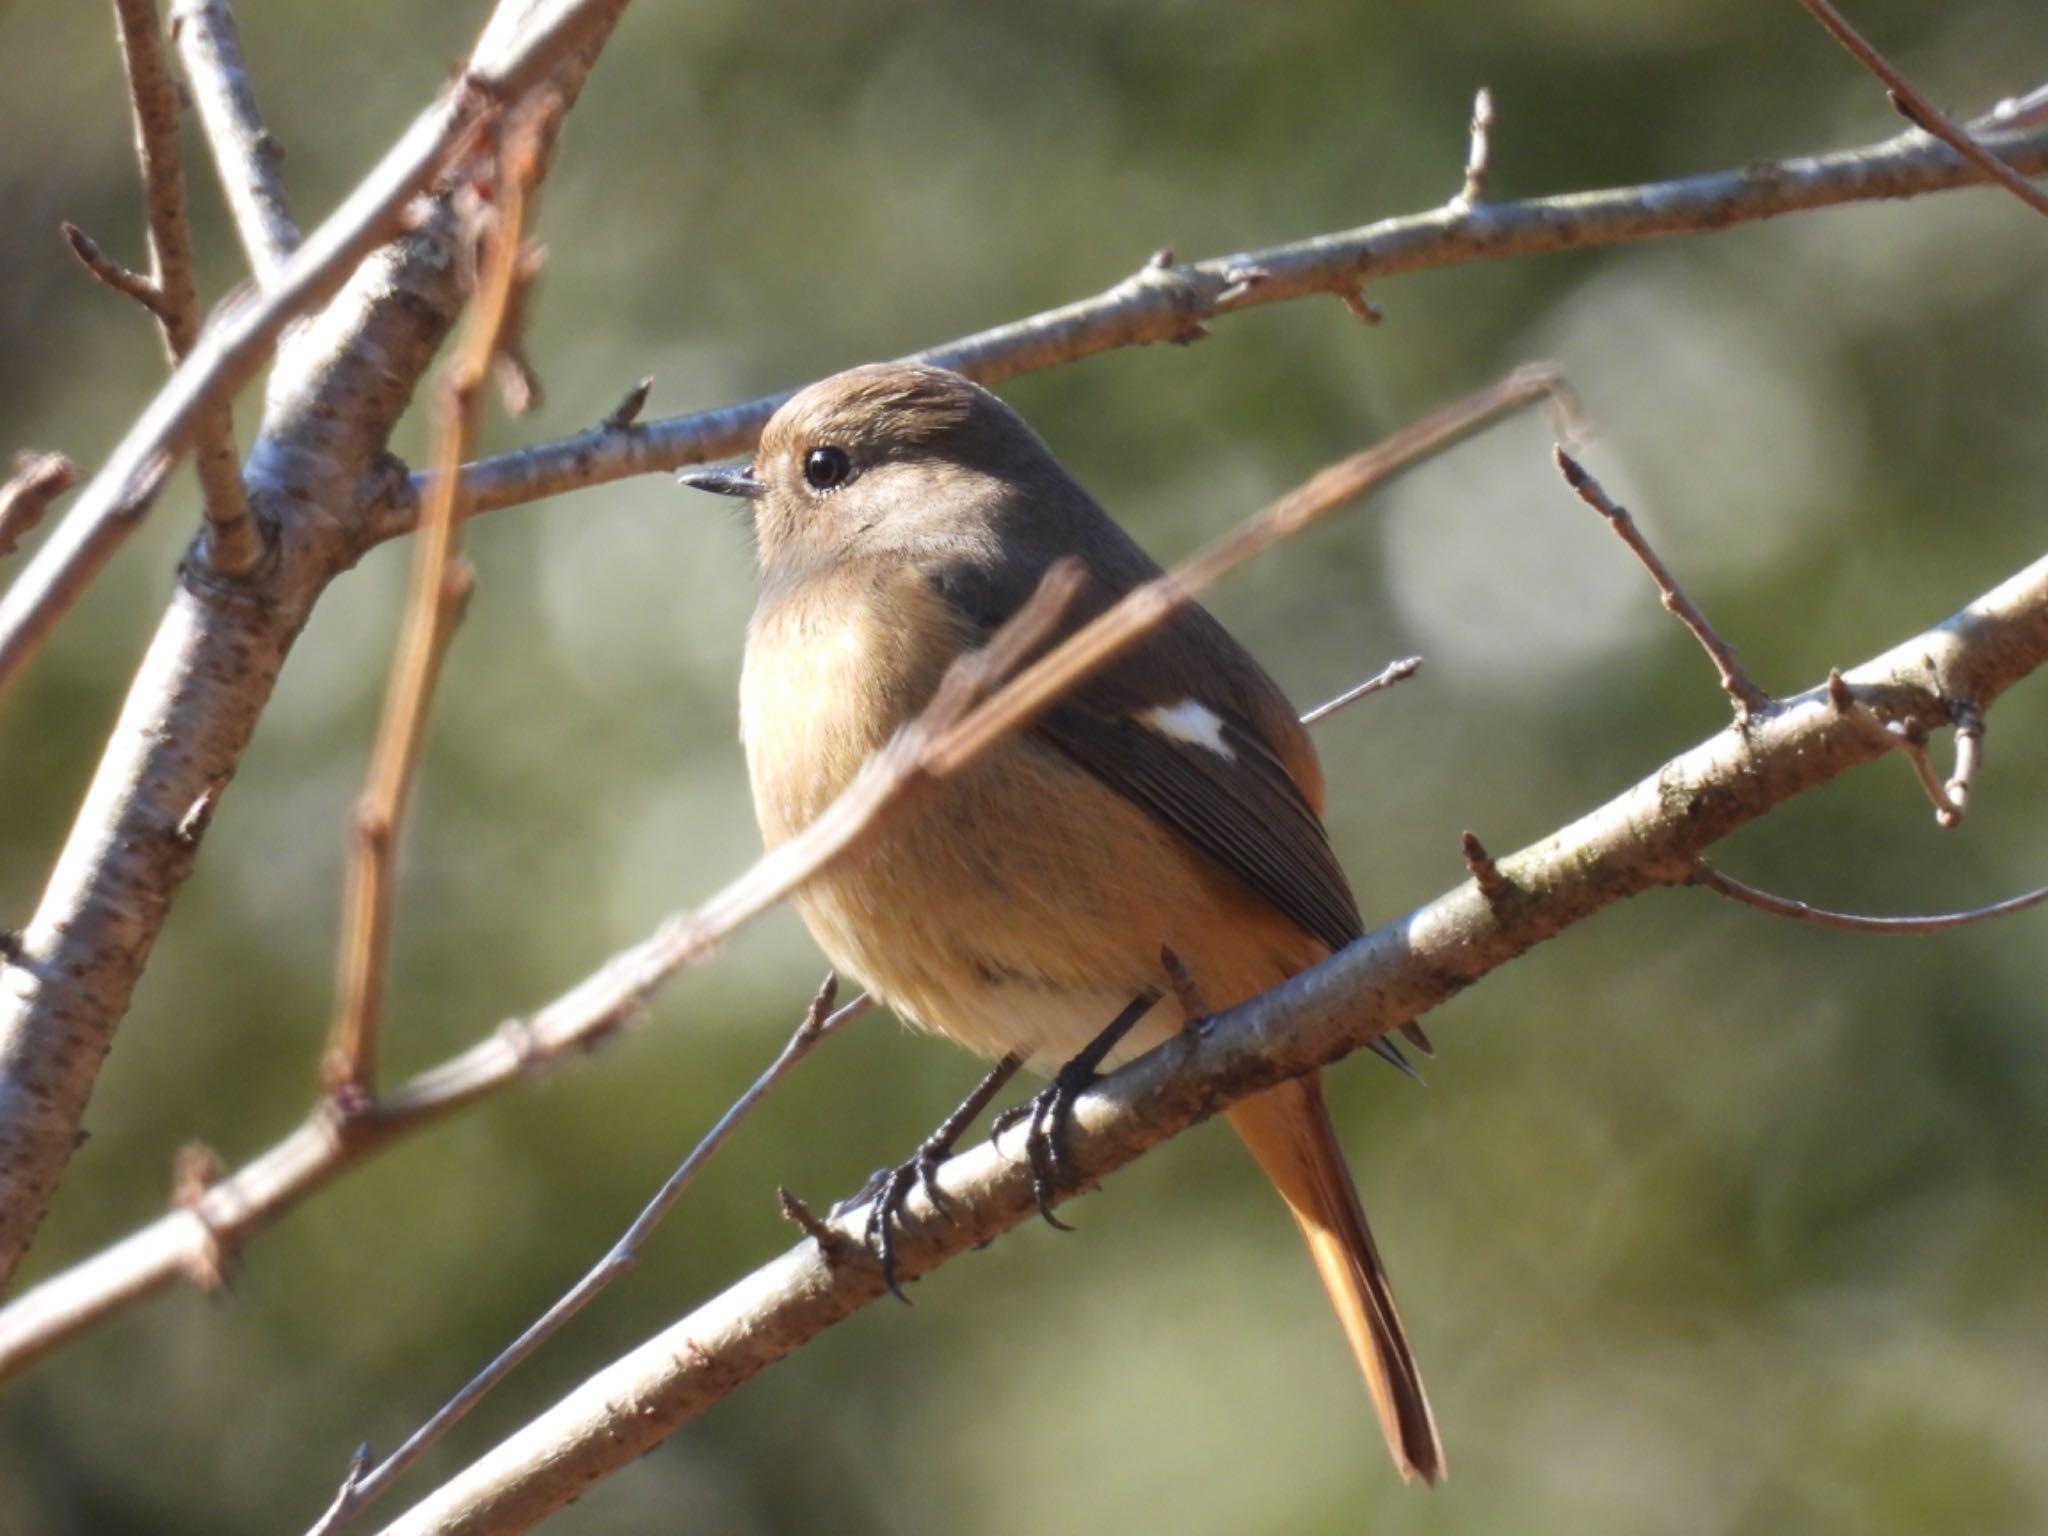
(1187, 725)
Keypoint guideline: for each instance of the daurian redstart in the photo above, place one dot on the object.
(1173, 803)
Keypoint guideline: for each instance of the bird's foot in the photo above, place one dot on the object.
(888, 1190)
(1046, 1113)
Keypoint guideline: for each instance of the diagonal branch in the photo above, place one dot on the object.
(1167, 303)
(1649, 836)
(245, 153)
(1917, 109)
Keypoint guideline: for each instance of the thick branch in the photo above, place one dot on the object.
(1168, 303)
(337, 390)
(245, 154)
(1649, 836)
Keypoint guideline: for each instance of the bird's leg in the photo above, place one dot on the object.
(1046, 1113)
(890, 1188)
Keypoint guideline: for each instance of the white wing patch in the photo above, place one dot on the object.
(1192, 722)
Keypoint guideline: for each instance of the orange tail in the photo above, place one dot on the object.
(1289, 1132)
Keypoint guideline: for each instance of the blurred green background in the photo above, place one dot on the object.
(1705, 1223)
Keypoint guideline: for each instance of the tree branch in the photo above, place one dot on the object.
(234, 543)
(1918, 110)
(1170, 303)
(338, 387)
(235, 346)
(246, 155)
(1651, 835)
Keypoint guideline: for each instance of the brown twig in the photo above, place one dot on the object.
(1705, 875)
(364, 1483)
(441, 583)
(1748, 698)
(246, 155)
(230, 351)
(1393, 672)
(1479, 157)
(1918, 110)
(234, 542)
(1650, 836)
(122, 279)
(38, 480)
(957, 724)
(1156, 303)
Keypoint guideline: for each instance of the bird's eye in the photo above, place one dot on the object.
(827, 468)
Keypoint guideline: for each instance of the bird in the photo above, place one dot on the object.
(1168, 808)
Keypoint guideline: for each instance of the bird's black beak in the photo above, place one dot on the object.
(724, 482)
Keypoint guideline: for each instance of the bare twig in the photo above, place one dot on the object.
(1705, 875)
(245, 153)
(1736, 683)
(1156, 303)
(1479, 157)
(230, 351)
(963, 719)
(122, 279)
(234, 543)
(38, 480)
(1910, 736)
(441, 582)
(1650, 836)
(1393, 672)
(1917, 109)
(1969, 723)
(362, 1484)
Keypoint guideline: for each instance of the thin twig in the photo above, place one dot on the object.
(1748, 698)
(231, 350)
(1917, 109)
(441, 583)
(362, 1484)
(122, 279)
(234, 543)
(1393, 672)
(245, 153)
(1650, 836)
(1704, 874)
(1157, 303)
(38, 480)
(1910, 736)
(1479, 157)
(948, 734)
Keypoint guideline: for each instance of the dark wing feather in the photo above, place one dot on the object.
(1244, 812)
